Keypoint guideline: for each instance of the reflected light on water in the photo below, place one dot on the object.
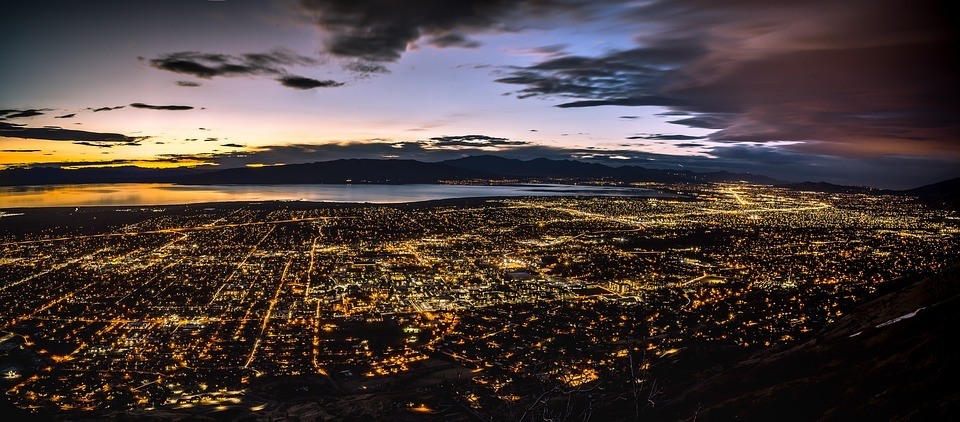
(167, 194)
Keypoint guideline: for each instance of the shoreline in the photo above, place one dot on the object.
(82, 220)
(295, 203)
(163, 195)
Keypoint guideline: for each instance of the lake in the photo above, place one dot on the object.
(123, 194)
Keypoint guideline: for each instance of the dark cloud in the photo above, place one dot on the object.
(662, 137)
(161, 107)
(380, 31)
(550, 50)
(649, 100)
(365, 69)
(188, 84)
(453, 39)
(852, 78)
(707, 121)
(65, 116)
(629, 117)
(211, 140)
(300, 82)
(233, 145)
(19, 113)
(105, 144)
(53, 133)
(688, 145)
(99, 109)
(19, 150)
(626, 78)
(209, 65)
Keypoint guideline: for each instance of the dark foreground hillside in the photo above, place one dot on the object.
(889, 359)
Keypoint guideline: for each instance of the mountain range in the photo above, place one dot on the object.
(483, 167)
(479, 169)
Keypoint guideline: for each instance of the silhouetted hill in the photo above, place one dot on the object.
(539, 167)
(411, 171)
(547, 168)
(339, 171)
(943, 194)
(946, 193)
(891, 358)
(375, 171)
(832, 188)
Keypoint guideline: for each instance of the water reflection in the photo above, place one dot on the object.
(166, 194)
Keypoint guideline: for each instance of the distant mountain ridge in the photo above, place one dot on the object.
(833, 188)
(945, 193)
(538, 167)
(379, 171)
(338, 172)
(544, 167)
(485, 167)
(941, 194)
(478, 167)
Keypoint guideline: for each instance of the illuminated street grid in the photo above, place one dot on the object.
(184, 309)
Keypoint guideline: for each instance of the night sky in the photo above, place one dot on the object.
(851, 92)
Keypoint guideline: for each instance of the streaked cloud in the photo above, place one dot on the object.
(99, 109)
(21, 113)
(300, 82)
(210, 65)
(470, 141)
(53, 133)
(663, 137)
(161, 107)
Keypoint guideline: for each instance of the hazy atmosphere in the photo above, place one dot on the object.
(853, 92)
